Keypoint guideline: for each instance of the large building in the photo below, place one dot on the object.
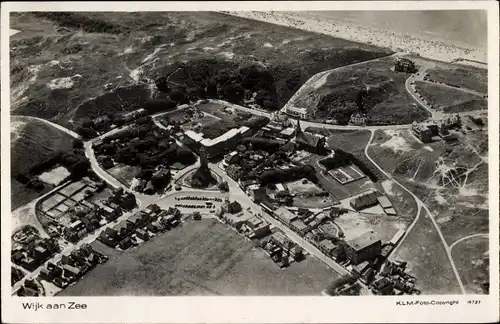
(405, 65)
(301, 113)
(285, 216)
(218, 145)
(308, 141)
(365, 200)
(363, 248)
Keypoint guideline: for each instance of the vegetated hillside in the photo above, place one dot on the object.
(372, 89)
(450, 100)
(468, 77)
(60, 61)
(34, 144)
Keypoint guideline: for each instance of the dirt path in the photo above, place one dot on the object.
(466, 238)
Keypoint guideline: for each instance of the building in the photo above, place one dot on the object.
(123, 228)
(422, 132)
(308, 141)
(363, 248)
(231, 158)
(397, 237)
(299, 227)
(138, 219)
(216, 146)
(390, 212)
(75, 231)
(256, 228)
(142, 234)
(287, 133)
(282, 241)
(234, 171)
(365, 200)
(297, 112)
(383, 286)
(285, 216)
(405, 65)
(358, 119)
(127, 201)
(384, 202)
(327, 246)
(236, 220)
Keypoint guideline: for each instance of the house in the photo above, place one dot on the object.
(287, 133)
(127, 201)
(282, 241)
(29, 263)
(70, 271)
(123, 228)
(256, 227)
(75, 231)
(236, 220)
(46, 275)
(326, 246)
(149, 189)
(109, 213)
(40, 253)
(358, 119)
(138, 219)
(142, 234)
(16, 256)
(359, 269)
(383, 286)
(299, 226)
(125, 243)
(363, 248)
(234, 171)
(285, 215)
(175, 212)
(101, 122)
(365, 200)
(405, 65)
(422, 132)
(301, 113)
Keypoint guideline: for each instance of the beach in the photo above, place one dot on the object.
(441, 45)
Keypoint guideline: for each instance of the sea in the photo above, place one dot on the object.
(458, 27)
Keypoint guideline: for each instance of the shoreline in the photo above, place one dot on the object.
(426, 48)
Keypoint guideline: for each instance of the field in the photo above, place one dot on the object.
(64, 66)
(32, 144)
(124, 173)
(472, 260)
(371, 88)
(465, 77)
(427, 260)
(452, 180)
(450, 100)
(54, 176)
(354, 224)
(200, 258)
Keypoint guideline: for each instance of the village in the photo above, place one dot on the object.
(286, 188)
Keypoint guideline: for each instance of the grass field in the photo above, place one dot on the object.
(463, 76)
(472, 260)
(372, 88)
(32, 144)
(139, 47)
(200, 258)
(427, 260)
(124, 173)
(450, 100)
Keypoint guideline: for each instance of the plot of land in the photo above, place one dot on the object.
(32, 144)
(200, 258)
(54, 176)
(450, 100)
(354, 224)
(371, 88)
(427, 259)
(465, 77)
(459, 203)
(124, 173)
(472, 260)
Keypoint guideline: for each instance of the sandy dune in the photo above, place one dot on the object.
(434, 49)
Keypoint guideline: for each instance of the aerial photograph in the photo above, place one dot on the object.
(249, 153)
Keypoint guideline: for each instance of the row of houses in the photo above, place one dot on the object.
(72, 267)
(32, 256)
(142, 225)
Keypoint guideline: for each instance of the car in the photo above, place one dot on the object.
(178, 187)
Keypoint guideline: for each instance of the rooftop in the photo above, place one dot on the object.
(284, 213)
(384, 202)
(363, 241)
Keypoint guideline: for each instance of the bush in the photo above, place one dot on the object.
(156, 105)
(295, 173)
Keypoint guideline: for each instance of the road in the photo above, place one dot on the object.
(318, 76)
(59, 127)
(86, 240)
(236, 193)
(420, 205)
(466, 238)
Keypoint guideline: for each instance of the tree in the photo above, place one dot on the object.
(179, 95)
(162, 84)
(185, 156)
(211, 89)
(233, 92)
(224, 186)
(196, 215)
(77, 143)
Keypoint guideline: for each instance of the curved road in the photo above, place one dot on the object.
(420, 205)
(59, 127)
(466, 238)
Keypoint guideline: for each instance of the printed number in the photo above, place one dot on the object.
(474, 302)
